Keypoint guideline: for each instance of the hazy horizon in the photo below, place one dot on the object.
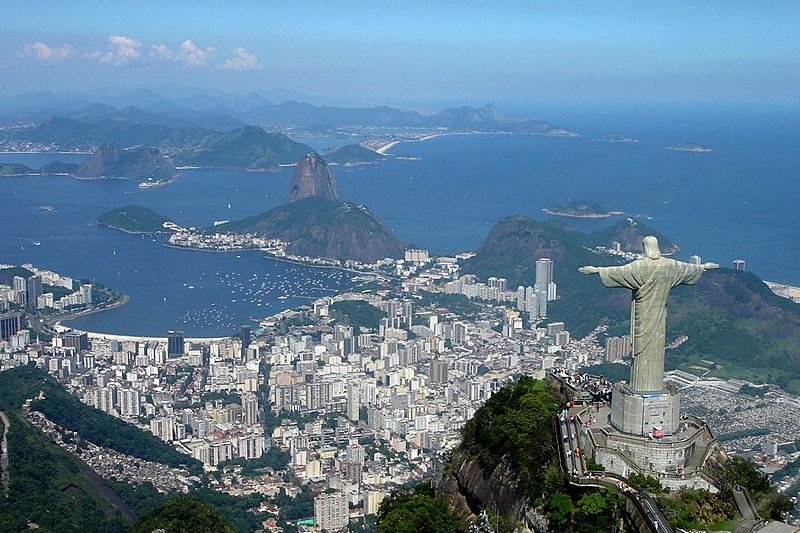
(413, 54)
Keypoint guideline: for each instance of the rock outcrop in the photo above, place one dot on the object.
(470, 488)
(312, 178)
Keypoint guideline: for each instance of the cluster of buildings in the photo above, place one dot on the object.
(358, 411)
(192, 238)
(532, 300)
(38, 290)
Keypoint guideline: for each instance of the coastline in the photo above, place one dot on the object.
(267, 255)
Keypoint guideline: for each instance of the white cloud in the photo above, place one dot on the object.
(121, 49)
(44, 52)
(242, 60)
(161, 51)
(192, 55)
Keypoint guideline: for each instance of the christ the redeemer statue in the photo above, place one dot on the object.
(650, 279)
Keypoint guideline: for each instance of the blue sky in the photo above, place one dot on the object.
(440, 51)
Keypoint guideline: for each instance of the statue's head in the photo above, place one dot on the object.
(651, 250)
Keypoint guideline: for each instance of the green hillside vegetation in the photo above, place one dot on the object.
(21, 383)
(358, 314)
(133, 219)
(184, 514)
(353, 154)
(59, 167)
(7, 274)
(514, 425)
(15, 169)
(417, 510)
(53, 489)
(249, 147)
(730, 317)
(320, 227)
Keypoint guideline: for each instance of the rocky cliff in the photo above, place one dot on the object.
(469, 487)
(312, 177)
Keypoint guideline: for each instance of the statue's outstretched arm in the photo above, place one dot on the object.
(589, 270)
(710, 266)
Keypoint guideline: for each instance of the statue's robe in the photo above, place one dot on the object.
(650, 280)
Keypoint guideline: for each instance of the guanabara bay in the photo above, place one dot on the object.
(422, 267)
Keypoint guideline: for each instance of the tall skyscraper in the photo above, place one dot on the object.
(20, 285)
(33, 289)
(249, 409)
(438, 371)
(739, 264)
(245, 341)
(175, 343)
(544, 287)
(696, 260)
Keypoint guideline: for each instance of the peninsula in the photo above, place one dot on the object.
(581, 209)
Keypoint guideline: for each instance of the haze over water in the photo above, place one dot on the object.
(737, 201)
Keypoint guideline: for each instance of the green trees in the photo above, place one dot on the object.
(558, 509)
(514, 425)
(184, 514)
(416, 511)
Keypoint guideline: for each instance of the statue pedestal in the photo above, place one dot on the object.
(638, 413)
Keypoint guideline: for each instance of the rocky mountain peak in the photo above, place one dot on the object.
(312, 178)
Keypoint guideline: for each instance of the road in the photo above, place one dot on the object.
(4, 456)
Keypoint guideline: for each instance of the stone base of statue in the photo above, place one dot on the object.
(646, 434)
(645, 413)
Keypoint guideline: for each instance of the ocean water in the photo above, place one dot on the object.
(739, 201)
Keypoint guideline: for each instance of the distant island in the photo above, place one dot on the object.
(15, 169)
(689, 147)
(353, 154)
(147, 166)
(618, 138)
(581, 209)
(133, 219)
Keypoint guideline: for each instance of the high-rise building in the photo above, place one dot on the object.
(9, 325)
(33, 289)
(245, 341)
(353, 401)
(618, 348)
(739, 264)
(438, 371)
(20, 285)
(544, 287)
(249, 409)
(175, 343)
(695, 260)
(77, 340)
(130, 403)
(331, 511)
